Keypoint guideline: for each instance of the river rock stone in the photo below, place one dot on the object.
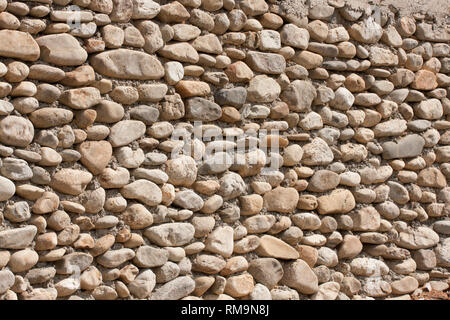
(61, 50)
(16, 131)
(171, 234)
(127, 64)
(19, 45)
(18, 238)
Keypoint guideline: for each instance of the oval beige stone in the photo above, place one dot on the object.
(127, 64)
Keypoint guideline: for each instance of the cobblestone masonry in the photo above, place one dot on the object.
(351, 201)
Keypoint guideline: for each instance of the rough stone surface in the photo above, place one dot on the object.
(224, 149)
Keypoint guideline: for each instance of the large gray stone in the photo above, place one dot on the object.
(406, 147)
(202, 109)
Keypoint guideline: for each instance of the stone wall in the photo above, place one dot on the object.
(350, 201)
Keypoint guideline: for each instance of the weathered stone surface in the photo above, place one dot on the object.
(61, 50)
(270, 63)
(18, 238)
(317, 153)
(141, 140)
(338, 201)
(267, 271)
(16, 131)
(273, 247)
(149, 257)
(182, 171)
(171, 234)
(19, 45)
(175, 289)
(126, 131)
(202, 109)
(406, 147)
(127, 64)
(143, 190)
(95, 155)
(298, 275)
(420, 238)
(299, 95)
(114, 258)
(281, 199)
(70, 181)
(50, 117)
(183, 52)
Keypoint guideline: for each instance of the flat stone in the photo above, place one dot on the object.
(281, 199)
(368, 31)
(429, 109)
(145, 9)
(125, 132)
(50, 117)
(82, 98)
(231, 186)
(174, 289)
(390, 128)
(404, 286)
(220, 241)
(136, 216)
(143, 285)
(350, 247)
(183, 52)
(275, 248)
(127, 64)
(73, 262)
(18, 238)
(114, 258)
(239, 286)
(70, 181)
(173, 12)
(366, 219)
(16, 131)
(143, 190)
(232, 97)
(420, 238)
(298, 275)
(299, 95)
(23, 260)
(61, 50)
(202, 109)
(267, 271)
(122, 10)
(317, 153)
(323, 180)
(406, 147)
(171, 234)
(263, 89)
(95, 155)
(188, 199)
(7, 280)
(293, 36)
(239, 72)
(150, 257)
(19, 45)
(208, 43)
(338, 201)
(380, 57)
(208, 264)
(270, 63)
(16, 169)
(431, 177)
(368, 267)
